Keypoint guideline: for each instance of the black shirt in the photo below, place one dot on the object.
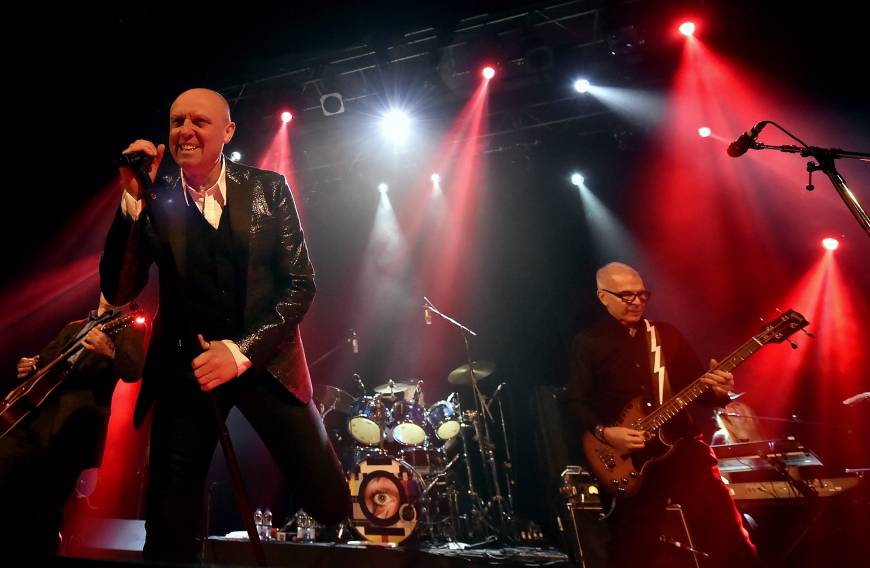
(609, 367)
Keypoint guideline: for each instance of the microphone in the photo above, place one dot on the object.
(497, 390)
(427, 315)
(134, 160)
(354, 342)
(746, 140)
(359, 382)
(494, 395)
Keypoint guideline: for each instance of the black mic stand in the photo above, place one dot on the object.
(140, 169)
(825, 158)
(481, 427)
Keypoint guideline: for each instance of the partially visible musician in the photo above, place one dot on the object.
(611, 365)
(42, 456)
(737, 423)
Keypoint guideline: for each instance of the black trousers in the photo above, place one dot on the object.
(183, 440)
(688, 477)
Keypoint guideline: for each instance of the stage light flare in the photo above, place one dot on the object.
(383, 188)
(582, 85)
(687, 28)
(396, 126)
(577, 179)
(704, 132)
(488, 72)
(235, 156)
(830, 243)
(286, 116)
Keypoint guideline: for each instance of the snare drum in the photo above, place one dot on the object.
(385, 495)
(366, 425)
(444, 420)
(426, 461)
(408, 423)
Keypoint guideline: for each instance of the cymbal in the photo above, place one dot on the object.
(397, 386)
(462, 376)
(329, 397)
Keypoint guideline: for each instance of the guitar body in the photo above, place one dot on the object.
(27, 396)
(620, 474)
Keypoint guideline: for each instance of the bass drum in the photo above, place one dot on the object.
(385, 496)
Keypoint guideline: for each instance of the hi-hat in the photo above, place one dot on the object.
(462, 375)
(328, 397)
(395, 386)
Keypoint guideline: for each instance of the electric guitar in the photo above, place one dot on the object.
(621, 474)
(31, 393)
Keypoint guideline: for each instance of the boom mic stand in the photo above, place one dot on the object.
(481, 427)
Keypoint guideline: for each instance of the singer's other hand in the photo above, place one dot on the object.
(128, 177)
(215, 365)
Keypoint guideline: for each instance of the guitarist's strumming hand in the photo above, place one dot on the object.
(721, 382)
(27, 365)
(625, 440)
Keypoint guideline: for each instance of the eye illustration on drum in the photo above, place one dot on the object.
(366, 425)
(385, 494)
(444, 420)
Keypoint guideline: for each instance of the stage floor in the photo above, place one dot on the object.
(238, 552)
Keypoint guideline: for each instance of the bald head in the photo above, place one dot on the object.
(609, 275)
(617, 279)
(208, 96)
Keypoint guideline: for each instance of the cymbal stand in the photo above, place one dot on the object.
(487, 448)
(508, 462)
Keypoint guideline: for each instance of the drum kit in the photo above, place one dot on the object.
(404, 460)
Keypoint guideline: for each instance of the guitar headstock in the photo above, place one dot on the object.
(781, 327)
(122, 320)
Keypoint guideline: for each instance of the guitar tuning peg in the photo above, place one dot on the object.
(808, 333)
(793, 344)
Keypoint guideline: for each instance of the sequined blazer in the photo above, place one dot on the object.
(279, 286)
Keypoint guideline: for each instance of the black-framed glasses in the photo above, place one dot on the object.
(629, 297)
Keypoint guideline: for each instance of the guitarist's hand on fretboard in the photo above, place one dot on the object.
(721, 382)
(625, 440)
(27, 365)
(99, 342)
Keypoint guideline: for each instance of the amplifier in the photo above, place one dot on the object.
(586, 536)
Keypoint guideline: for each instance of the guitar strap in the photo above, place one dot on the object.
(661, 386)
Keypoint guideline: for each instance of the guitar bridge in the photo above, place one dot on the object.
(606, 459)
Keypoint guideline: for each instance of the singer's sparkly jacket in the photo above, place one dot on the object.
(279, 286)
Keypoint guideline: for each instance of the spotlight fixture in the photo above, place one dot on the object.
(331, 104)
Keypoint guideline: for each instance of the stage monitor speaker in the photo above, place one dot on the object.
(586, 537)
(106, 539)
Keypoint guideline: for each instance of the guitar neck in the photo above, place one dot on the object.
(661, 415)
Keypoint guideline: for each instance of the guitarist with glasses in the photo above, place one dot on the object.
(624, 356)
(42, 455)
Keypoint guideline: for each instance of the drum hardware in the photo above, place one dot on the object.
(392, 387)
(471, 373)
